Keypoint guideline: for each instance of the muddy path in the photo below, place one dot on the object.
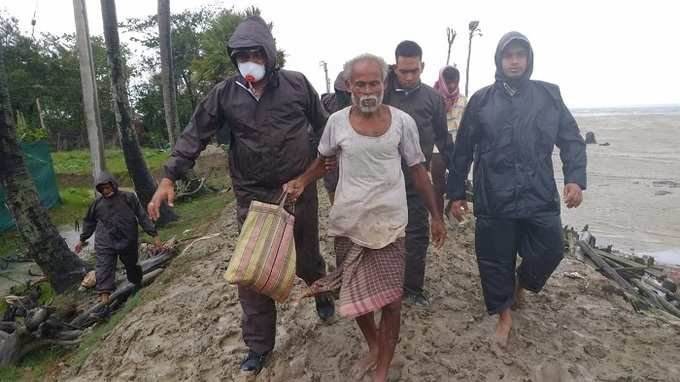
(576, 330)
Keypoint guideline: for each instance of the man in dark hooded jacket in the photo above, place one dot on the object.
(509, 129)
(268, 111)
(405, 91)
(331, 103)
(113, 218)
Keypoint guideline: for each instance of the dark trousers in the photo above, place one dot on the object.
(538, 240)
(258, 322)
(105, 267)
(417, 241)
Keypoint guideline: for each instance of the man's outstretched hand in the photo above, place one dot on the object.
(573, 195)
(438, 233)
(457, 208)
(164, 193)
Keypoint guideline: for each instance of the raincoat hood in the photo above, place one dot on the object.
(502, 44)
(254, 32)
(104, 178)
(339, 84)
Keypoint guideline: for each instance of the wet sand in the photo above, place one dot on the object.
(575, 330)
(633, 196)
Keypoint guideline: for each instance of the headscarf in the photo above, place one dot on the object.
(450, 97)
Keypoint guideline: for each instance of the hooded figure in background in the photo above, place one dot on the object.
(509, 129)
(268, 111)
(113, 217)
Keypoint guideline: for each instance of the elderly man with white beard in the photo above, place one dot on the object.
(369, 216)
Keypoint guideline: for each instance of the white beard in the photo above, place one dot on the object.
(368, 104)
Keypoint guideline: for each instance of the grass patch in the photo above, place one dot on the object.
(35, 366)
(74, 204)
(78, 161)
(9, 241)
(93, 340)
(197, 215)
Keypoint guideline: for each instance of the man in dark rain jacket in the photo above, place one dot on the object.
(113, 218)
(268, 111)
(510, 129)
(406, 92)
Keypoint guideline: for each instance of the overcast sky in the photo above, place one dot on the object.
(600, 52)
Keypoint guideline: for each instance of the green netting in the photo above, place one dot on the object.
(39, 164)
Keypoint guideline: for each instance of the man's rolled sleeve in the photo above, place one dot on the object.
(409, 146)
(328, 145)
(205, 122)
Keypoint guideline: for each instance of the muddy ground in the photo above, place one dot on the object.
(577, 329)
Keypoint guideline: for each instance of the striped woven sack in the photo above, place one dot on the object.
(264, 257)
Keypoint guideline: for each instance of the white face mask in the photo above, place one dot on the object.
(251, 71)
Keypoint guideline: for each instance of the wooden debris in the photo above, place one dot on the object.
(42, 326)
(643, 284)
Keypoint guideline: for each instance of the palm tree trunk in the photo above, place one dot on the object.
(144, 183)
(167, 72)
(45, 246)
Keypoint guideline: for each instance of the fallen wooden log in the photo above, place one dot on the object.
(85, 318)
(660, 301)
(652, 270)
(629, 291)
(607, 269)
(16, 345)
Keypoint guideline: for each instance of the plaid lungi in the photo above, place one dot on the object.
(368, 279)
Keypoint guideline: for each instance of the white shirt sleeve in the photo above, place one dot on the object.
(328, 145)
(409, 146)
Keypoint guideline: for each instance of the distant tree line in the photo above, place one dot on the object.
(43, 74)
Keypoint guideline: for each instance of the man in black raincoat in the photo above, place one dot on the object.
(268, 111)
(509, 130)
(113, 217)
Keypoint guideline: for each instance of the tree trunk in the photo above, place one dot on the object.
(167, 71)
(142, 180)
(190, 88)
(45, 246)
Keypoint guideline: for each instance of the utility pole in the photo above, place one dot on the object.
(89, 86)
(167, 71)
(474, 29)
(324, 65)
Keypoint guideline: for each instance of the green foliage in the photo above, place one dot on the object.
(26, 133)
(47, 68)
(74, 203)
(199, 47)
(77, 162)
(198, 212)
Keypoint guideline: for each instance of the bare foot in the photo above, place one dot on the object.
(503, 328)
(365, 364)
(520, 298)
